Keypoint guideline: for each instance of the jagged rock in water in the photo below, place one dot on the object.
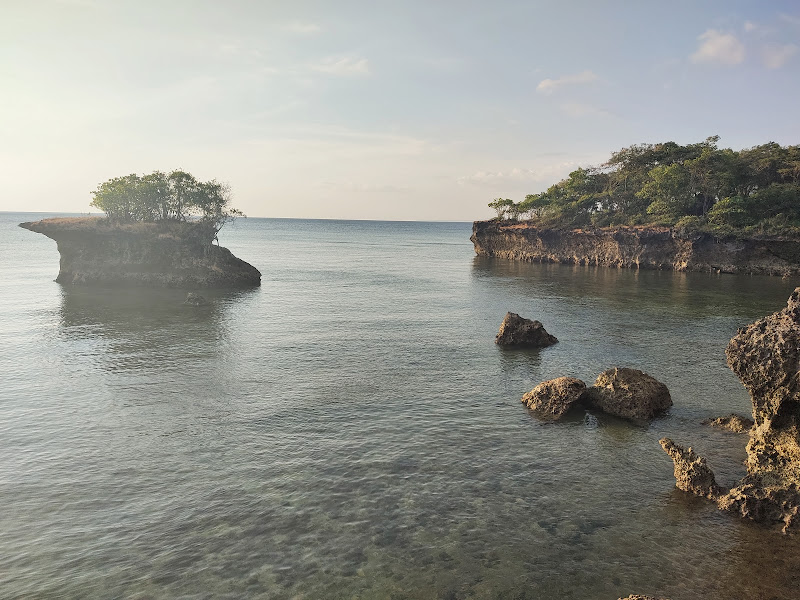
(518, 331)
(629, 393)
(763, 501)
(765, 355)
(195, 299)
(167, 254)
(692, 474)
(732, 422)
(554, 398)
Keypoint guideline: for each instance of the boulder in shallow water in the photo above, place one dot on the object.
(629, 393)
(554, 398)
(732, 422)
(521, 332)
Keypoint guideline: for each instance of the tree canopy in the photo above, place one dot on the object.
(174, 196)
(693, 187)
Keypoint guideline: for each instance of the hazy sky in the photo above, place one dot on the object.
(380, 110)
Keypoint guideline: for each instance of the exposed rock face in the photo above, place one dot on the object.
(732, 422)
(692, 474)
(638, 248)
(521, 332)
(171, 254)
(766, 357)
(629, 393)
(554, 398)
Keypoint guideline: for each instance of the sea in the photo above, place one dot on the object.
(350, 429)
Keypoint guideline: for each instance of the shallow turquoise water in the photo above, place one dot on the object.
(350, 430)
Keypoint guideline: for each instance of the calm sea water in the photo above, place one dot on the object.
(350, 430)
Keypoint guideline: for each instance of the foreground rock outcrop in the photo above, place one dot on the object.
(554, 398)
(766, 357)
(521, 332)
(637, 248)
(168, 254)
(619, 391)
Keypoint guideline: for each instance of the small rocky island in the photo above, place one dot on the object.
(159, 230)
(177, 254)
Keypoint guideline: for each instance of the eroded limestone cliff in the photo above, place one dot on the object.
(634, 247)
(169, 254)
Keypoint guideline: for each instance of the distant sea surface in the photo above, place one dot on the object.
(350, 429)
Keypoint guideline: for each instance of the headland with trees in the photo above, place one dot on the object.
(691, 188)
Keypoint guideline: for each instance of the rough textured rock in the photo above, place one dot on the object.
(168, 254)
(692, 474)
(518, 331)
(195, 299)
(732, 422)
(637, 248)
(766, 357)
(629, 393)
(554, 398)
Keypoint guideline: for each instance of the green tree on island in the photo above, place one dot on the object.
(693, 187)
(159, 197)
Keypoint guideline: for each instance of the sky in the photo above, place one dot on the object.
(406, 110)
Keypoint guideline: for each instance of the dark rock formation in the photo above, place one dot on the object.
(554, 398)
(169, 254)
(692, 474)
(195, 299)
(766, 357)
(636, 247)
(521, 332)
(629, 393)
(732, 422)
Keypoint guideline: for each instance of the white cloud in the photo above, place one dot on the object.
(775, 57)
(790, 19)
(750, 26)
(368, 188)
(345, 65)
(302, 28)
(577, 109)
(718, 48)
(548, 86)
(547, 173)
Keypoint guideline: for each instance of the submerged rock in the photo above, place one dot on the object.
(732, 422)
(629, 393)
(692, 474)
(554, 398)
(195, 299)
(522, 332)
(165, 254)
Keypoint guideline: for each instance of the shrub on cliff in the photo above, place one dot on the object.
(174, 196)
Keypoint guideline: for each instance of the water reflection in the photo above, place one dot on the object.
(691, 294)
(144, 330)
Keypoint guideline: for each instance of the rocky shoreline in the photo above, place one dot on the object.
(164, 254)
(637, 248)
